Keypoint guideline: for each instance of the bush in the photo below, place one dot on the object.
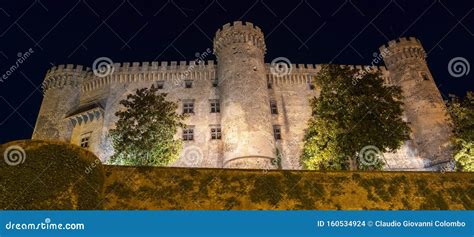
(49, 175)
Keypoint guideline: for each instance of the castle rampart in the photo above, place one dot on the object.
(258, 113)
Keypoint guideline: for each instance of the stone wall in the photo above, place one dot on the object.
(291, 92)
(61, 95)
(45, 175)
(424, 107)
(225, 189)
(245, 115)
(77, 102)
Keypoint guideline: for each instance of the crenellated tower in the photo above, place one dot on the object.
(61, 95)
(423, 105)
(245, 115)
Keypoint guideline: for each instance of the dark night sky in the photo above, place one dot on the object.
(344, 32)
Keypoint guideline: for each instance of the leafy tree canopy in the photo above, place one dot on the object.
(144, 133)
(355, 118)
(462, 114)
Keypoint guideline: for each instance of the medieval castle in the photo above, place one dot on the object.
(242, 110)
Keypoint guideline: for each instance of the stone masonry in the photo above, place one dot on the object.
(242, 112)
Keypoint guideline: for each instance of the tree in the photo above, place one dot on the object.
(144, 133)
(462, 114)
(355, 119)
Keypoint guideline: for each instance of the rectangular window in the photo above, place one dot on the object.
(188, 107)
(188, 134)
(160, 85)
(215, 83)
(216, 132)
(85, 138)
(269, 85)
(273, 107)
(188, 84)
(215, 106)
(277, 132)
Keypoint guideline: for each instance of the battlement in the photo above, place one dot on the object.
(70, 74)
(238, 25)
(163, 66)
(368, 68)
(68, 69)
(307, 73)
(237, 32)
(64, 75)
(403, 48)
(58, 75)
(314, 68)
(299, 67)
(135, 66)
(403, 41)
(153, 71)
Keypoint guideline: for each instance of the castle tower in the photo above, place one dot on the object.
(245, 112)
(423, 105)
(61, 95)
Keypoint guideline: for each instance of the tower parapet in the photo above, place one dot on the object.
(424, 107)
(64, 75)
(402, 50)
(238, 33)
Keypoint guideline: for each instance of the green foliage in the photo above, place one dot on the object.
(144, 133)
(277, 161)
(353, 110)
(53, 176)
(464, 157)
(462, 114)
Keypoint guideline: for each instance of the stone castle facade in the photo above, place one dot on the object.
(244, 113)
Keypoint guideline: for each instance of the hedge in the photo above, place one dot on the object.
(42, 175)
(232, 189)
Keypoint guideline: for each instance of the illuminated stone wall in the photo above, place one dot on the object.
(78, 101)
(424, 107)
(245, 115)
